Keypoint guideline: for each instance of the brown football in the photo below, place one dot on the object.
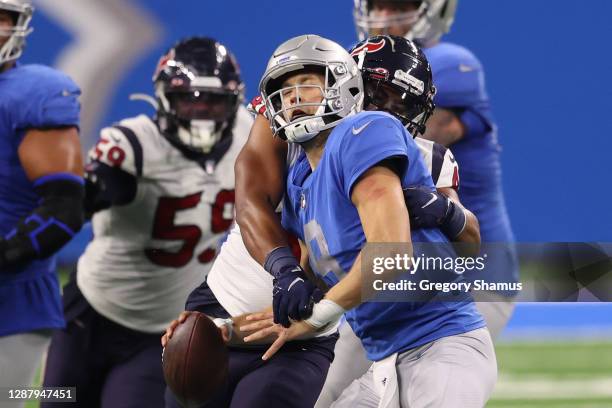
(195, 360)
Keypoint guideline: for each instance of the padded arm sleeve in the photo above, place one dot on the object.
(49, 226)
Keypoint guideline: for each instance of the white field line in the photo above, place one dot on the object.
(543, 387)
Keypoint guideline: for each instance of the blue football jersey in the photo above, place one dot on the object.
(31, 96)
(318, 209)
(459, 79)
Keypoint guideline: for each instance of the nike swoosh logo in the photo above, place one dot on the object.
(452, 158)
(433, 198)
(296, 280)
(115, 138)
(465, 68)
(358, 130)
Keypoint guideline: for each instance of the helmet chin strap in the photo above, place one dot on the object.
(305, 130)
(201, 134)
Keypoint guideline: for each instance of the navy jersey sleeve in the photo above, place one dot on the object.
(368, 141)
(53, 101)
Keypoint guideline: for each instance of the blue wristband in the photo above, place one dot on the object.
(279, 260)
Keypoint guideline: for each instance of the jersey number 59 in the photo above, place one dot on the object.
(164, 228)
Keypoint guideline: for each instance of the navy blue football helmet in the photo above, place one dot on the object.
(397, 79)
(198, 90)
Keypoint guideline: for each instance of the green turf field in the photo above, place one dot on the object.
(550, 375)
(554, 374)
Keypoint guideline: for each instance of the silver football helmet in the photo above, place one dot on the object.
(13, 47)
(342, 94)
(428, 23)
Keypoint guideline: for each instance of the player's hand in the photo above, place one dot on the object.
(263, 326)
(173, 325)
(293, 296)
(430, 209)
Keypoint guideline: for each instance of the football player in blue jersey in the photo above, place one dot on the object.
(346, 191)
(462, 121)
(41, 194)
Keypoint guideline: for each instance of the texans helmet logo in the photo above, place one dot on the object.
(369, 47)
(163, 61)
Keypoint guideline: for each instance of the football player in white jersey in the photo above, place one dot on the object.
(238, 285)
(162, 193)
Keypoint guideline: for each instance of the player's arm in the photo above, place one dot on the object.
(379, 200)
(458, 89)
(260, 185)
(444, 127)
(231, 330)
(112, 171)
(51, 159)
(471, 231)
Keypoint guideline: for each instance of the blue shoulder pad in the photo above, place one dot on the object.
(362, 141)
(458, 76)
(50, 99)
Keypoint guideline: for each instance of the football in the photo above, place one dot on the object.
(195, 360)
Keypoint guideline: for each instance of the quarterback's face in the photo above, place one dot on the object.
(6, 23)
(391, 11)
(300, 89)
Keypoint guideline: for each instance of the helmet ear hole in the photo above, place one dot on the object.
(354, 91)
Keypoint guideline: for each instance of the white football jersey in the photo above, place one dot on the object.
(440, 162)
(240, 283)
(147, 256)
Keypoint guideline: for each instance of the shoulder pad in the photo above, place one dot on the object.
(118, 147)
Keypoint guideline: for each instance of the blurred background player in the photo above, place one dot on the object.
(462, 121)
(162, 194)
(41, 194)
(346, 191)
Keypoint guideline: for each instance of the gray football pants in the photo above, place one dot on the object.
(457, 371)
(351, 363)
(20, 356)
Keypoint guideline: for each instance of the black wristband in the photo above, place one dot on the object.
(279, 260)
(455, 220)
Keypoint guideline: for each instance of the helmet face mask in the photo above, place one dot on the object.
(424, 23)
(21, 14)
(198, 89)
(397, 79)
(298, 111)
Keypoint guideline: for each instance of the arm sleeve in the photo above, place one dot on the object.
(368, 142)
(58, 217)
(54, 103)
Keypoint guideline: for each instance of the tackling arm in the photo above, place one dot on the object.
(260, 185)
(471, 231)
